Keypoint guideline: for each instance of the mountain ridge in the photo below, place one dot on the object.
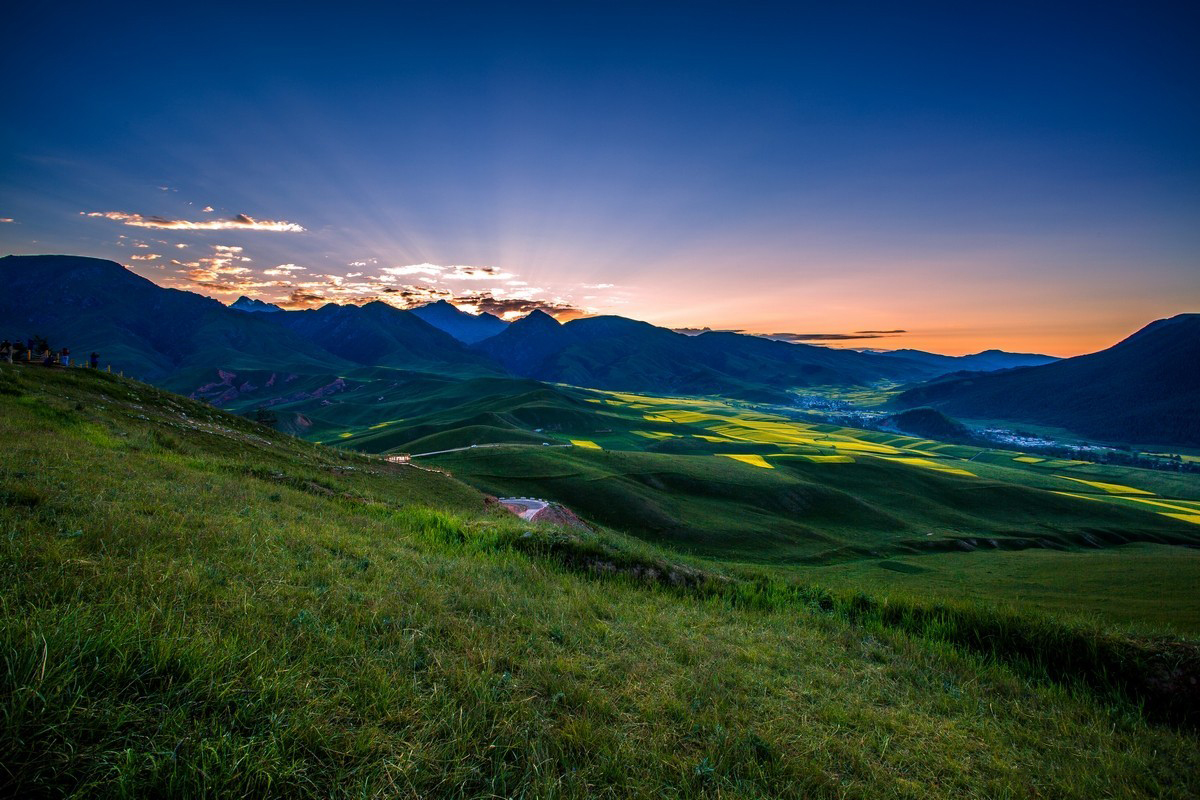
(1143, 389)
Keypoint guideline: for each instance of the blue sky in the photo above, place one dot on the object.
(976, 175)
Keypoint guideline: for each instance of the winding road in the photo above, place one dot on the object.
(478, 446)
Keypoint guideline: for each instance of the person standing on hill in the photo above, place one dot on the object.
(64, 357)
(6, 349)
(94, 360)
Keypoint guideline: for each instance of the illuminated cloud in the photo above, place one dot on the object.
(207, 209)
(238, 222)
(7, 219)
(220, 273)
(145, 257)
(411, 269)
(140, 244)
(283, 269)
(454, 272)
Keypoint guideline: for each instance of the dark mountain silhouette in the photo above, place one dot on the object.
(147, 331)
(466, 328)
(378, 334)
(612, 352)
(179, 339)
(986, 361)
(244, 303)
(1146, 389)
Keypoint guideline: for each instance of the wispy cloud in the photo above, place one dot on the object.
(7, 219)
(797, 337)
(830, 337)
(237, 222)
(145, 256)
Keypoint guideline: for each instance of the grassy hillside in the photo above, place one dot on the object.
(196, 605)
(733, 482)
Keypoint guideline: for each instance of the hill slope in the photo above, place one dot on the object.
(1144, 389)
(195, 605)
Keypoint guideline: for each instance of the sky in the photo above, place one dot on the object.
(951, 177)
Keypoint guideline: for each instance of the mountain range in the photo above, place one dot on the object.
(1143, 389)
(986, 361)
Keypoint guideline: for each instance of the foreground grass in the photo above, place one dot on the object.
(194, 607)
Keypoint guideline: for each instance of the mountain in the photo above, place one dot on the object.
(611, 352)
(986, 361)
(466, 328)
(378, 334)
(1145, 389)
(244, 303)
(90, 304)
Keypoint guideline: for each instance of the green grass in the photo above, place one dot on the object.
(194, 605)
(1138, 585)
(805, 512)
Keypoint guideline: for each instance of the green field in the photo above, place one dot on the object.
(195, 604)
(733, 481)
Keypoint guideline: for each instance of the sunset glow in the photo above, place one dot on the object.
(770, 172)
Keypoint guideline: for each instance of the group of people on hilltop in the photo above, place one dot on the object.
(32, 351)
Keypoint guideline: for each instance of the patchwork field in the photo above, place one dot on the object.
(731, 480)
(820, 497)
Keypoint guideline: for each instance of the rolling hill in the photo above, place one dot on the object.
(198, 605)
(1142, 390)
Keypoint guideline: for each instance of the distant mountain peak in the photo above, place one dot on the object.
(465, 327)
(244, 303)
(537, 317)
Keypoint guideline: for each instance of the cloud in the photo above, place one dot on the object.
(145, 257)
(220, 272)
(453, 272)
(7, 219)
(706, 329)
(829, 337)
(207, 209)
(411, 269)
(283, 269)
(237, 222)
(300, 298)
(465, 273)
(512, 307)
